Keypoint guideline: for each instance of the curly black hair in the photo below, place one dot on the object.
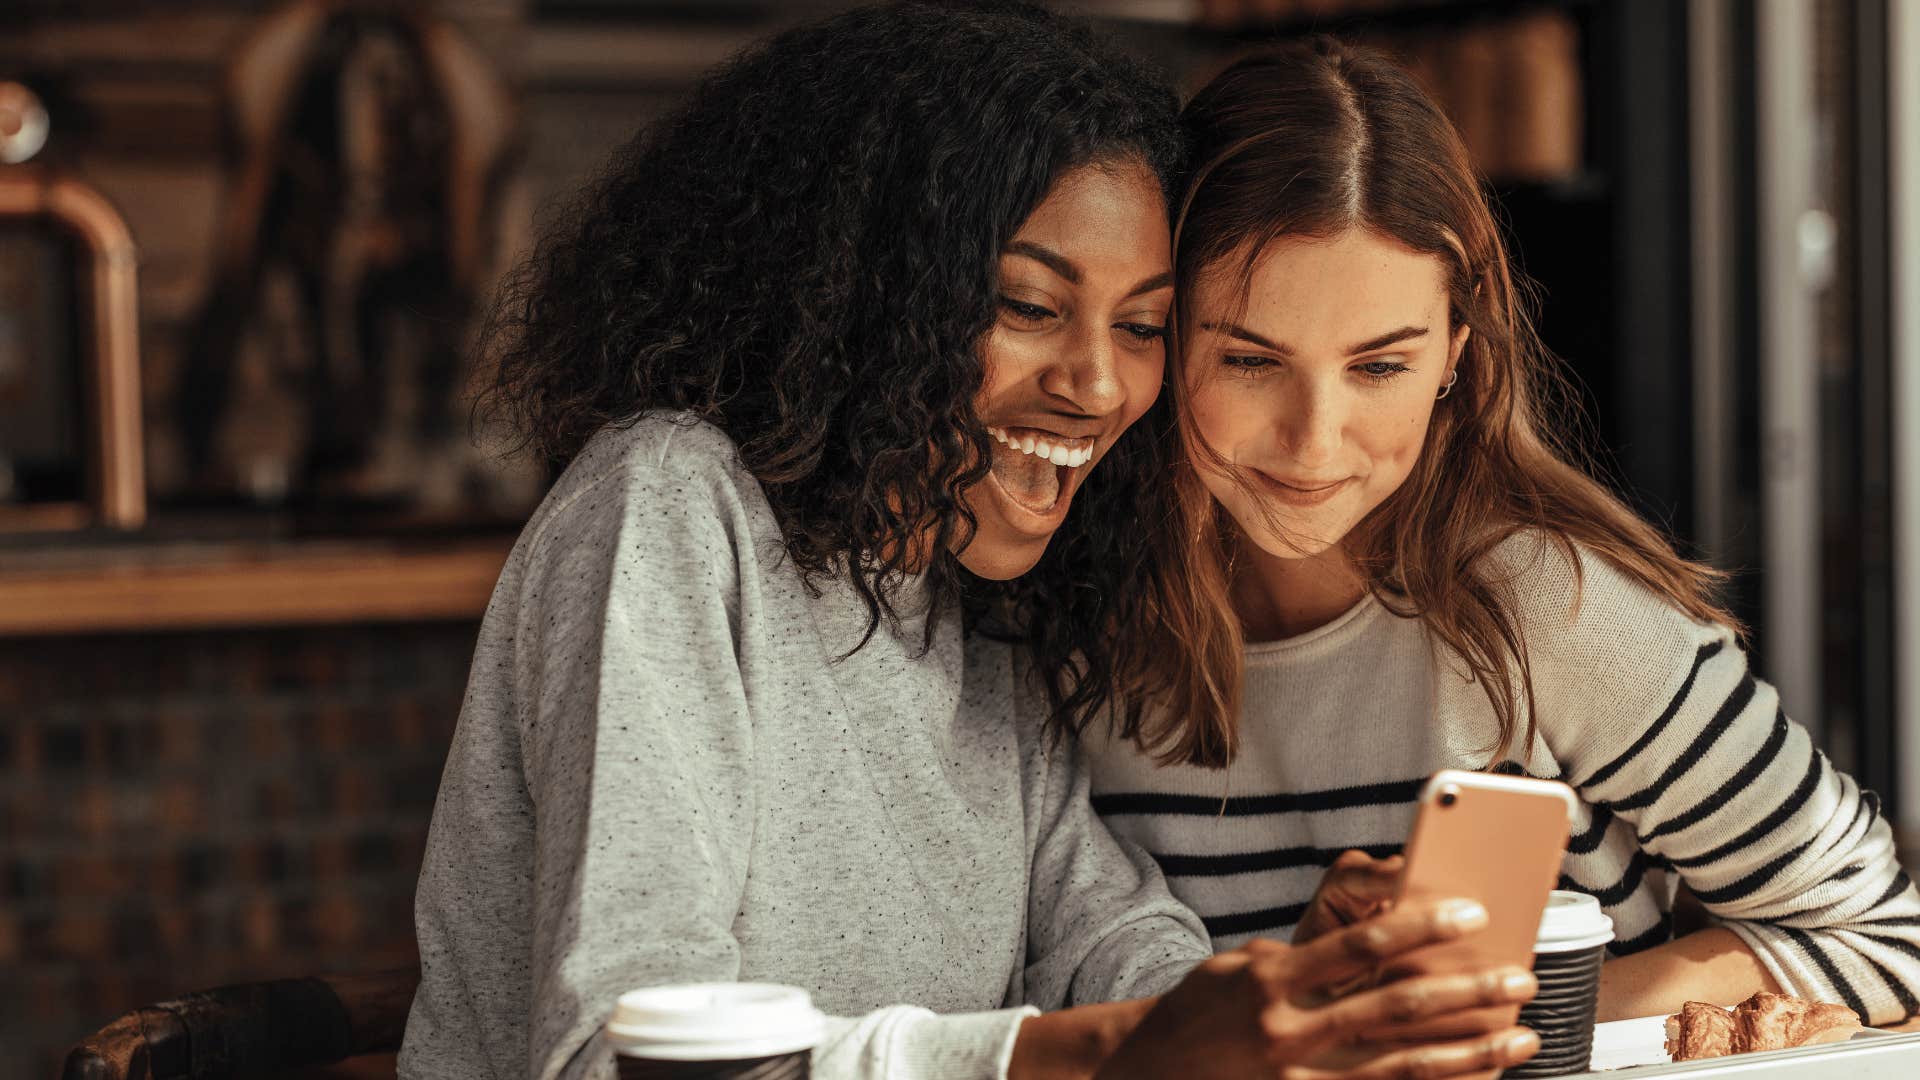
(805, 255)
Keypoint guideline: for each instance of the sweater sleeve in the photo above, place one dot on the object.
(1659, 721)
(1101, 925)
(638, 748)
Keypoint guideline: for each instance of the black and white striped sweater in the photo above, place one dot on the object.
(1686, 765)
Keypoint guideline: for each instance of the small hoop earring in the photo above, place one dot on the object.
(1452, 378)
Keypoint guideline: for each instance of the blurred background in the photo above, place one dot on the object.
(248, 524)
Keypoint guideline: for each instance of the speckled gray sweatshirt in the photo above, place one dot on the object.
(662, 775)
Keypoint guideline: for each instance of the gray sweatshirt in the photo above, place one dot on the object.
(662, 774)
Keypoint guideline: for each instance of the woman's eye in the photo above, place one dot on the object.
(1144, 331)
(1022, 310)
(1246, 363)
(1382, 370)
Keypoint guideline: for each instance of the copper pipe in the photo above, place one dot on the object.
(117, 476)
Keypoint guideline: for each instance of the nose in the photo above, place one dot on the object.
(1086, 373)
(1310, 424)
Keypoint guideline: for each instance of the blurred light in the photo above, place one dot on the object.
(23, 124)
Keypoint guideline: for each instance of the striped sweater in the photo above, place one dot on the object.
(1686, 766)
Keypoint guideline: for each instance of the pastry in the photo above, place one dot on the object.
(1700, 1030)
(1762, 1022)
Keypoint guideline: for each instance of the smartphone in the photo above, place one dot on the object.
(1496, 839)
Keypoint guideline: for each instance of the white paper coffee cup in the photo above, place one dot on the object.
(1567, 954)
(707, 1029)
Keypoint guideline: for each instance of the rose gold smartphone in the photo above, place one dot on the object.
(1495, 839)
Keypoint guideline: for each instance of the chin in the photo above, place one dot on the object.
(1290, 546)
(997, 559)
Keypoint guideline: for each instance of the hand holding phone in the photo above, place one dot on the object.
(1269, 1009)
(1496, 839)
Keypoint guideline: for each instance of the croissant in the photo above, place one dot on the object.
(1762, 1022)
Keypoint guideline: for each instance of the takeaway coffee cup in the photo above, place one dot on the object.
(714, 1031)
(1572, 942)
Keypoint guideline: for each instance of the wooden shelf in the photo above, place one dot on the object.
(279, 584)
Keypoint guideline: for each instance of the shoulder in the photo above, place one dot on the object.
(664, 468)
(1605, 650)
(1560, 589)
(658, 447)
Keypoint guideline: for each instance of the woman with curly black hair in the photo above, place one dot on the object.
(826, 358)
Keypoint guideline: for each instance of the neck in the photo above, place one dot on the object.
(1278, 598)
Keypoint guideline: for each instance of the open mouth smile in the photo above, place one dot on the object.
(1035, 468)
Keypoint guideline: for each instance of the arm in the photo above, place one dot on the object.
(1661, 725)
(1705, 962)
(1707, 965)
(1071, 1044)
(1101, 925)
(638, 747)
(1785, 853)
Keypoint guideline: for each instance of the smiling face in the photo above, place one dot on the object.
(1317, 391)
(1075, 356)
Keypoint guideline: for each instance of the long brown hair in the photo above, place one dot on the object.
(1315, 139)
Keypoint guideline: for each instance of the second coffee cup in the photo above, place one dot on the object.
(715, 1031)
(1567, 954)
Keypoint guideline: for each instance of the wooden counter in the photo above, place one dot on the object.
(282, 583)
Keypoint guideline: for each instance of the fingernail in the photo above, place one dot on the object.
(1524, 1043)
(1518, 983)
(1464, 915)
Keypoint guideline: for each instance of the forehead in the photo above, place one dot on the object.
(1103, 214)
(1357, 283)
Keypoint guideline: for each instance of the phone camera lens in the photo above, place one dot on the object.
(1449, 796)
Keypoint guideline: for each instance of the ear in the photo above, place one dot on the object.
(1457, 346)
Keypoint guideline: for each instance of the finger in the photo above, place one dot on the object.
(1339, 956)
(1500, 1051)
(1233, 959)
(1375, 1012)
(1357, 864)
(1353, 859)
(1365, 886)
(1391, 864)
(1465, 1024)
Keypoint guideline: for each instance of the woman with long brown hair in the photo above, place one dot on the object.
(1398, 564)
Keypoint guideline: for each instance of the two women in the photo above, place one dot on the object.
(1397, 568)
(840, 361)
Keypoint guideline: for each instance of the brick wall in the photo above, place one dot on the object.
(182, 811)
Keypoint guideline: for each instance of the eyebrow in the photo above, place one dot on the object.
(1391, 337)
(1064, 266)
(1160, 280)
(1046, 257)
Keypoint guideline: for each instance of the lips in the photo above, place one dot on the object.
(1301, 493)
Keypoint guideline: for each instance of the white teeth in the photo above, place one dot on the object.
(1068, 456)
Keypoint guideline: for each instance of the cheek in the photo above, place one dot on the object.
(1142, 379)
(1002, 362)
(1395, 437)
(1218, 415)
